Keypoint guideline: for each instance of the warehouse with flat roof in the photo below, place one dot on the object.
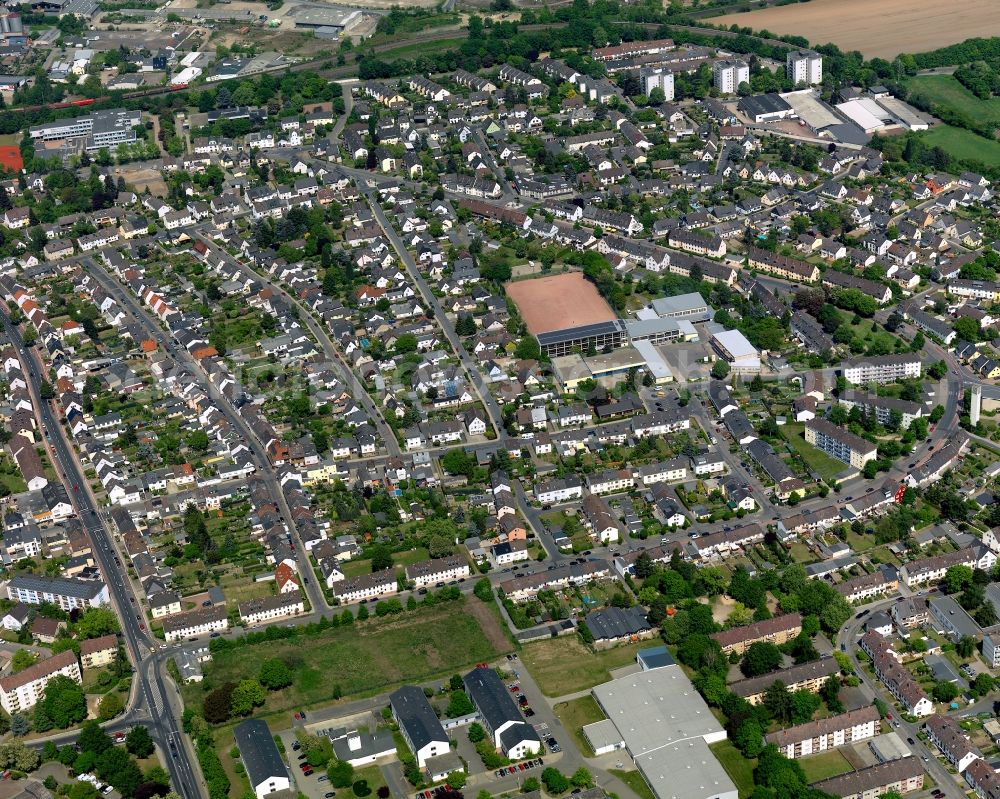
(666, 727)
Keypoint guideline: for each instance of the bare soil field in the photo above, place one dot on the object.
(559, 302)
(884, 29)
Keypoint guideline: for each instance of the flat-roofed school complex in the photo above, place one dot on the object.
(566, 311)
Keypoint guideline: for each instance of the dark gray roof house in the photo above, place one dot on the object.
(265, 768)
(418, 723)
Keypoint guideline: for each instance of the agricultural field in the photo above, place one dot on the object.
(365, 657)
(883, 29)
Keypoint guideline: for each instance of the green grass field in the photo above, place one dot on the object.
(576, 714)
(945, 90)
(634, 780)
(823, 766)
(821, 463)
(563, 666)
(366, 657)
(418, 49)
(963, 144)
(739, 769)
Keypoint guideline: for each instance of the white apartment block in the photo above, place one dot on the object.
(728, 75)
(440, 570)
(881, 369)
(20, 692)
(828, 733)
(257, 611)
(202, 621)
(367, 586)
(559, 490)
(657, 79)
(804, 66)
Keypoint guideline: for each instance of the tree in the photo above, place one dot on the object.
(944, 691)
(554, 781)
(381, 558)
(720, 370)
(476, 732)
(581, 778)
(19, 726)
(341, 773)
(217, 705)
(778, 702)
(275, 674)
(139, 742)
(956, 578)
(93, 738)
(62, 704)
(459, 705)
(760, 657)
(803, 704)
(117, 768)
(21, 659)
(97, 622)
(110, 706)
(15, 755)
(483, 590)
(749, 738)
(247, 695)
(966, 646)
(644, 565)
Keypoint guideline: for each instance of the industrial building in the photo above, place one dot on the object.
(663, 723)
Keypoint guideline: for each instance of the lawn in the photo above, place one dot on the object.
(634, 780)
(947, 91)
(355, 568)
(576, 714)
(821, 767)
(563, 666)
(739, 769)
(366, 657)
(963, 144)
(420, 49)
(821, 463)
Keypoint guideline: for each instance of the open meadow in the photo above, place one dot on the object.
(365, 657)
(883, 29)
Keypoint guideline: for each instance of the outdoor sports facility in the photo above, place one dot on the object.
(559, 302)
(884, 29)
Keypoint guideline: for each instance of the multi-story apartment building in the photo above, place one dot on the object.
(951, 740)
(804, 66)
(439, 570)
(366, 586)
(64, 592)
(657, 78)
(866, 587)
(805, 677)
(776, 630)
(896, 677)
(841, 444)
(257, 611)
(98, 652)
(902, 776)
(729, 74)
(828, 733)
(883, 407)
(881, 368)
(201, 621)
(20, 692)
(933, 569)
